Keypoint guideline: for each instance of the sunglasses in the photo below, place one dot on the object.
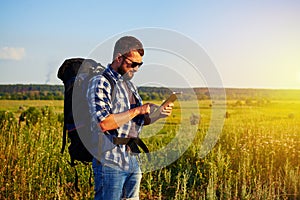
(133, 64)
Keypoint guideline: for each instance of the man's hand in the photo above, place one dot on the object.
(167, 110)
(144, 109)
(158, 112)
(114, 121)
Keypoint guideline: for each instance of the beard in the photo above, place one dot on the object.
(127, 75)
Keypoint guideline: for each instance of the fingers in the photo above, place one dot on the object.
(161, 112)
(170, 105)
(167, 110)
(145, 109)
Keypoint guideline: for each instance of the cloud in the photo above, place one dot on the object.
(12, 53)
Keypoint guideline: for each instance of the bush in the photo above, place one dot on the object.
(6, 119)
(30, 116)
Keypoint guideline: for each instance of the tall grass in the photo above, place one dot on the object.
(257, 157)
(32, 166)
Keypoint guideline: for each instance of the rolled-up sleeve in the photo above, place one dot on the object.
(99, 98)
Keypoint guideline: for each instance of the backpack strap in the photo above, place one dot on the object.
(67, 85)
(64, 139)
(133, 143)
(110, 80)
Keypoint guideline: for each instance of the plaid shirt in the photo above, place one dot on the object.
(103, 102)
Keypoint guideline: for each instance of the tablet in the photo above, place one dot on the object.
(171, 98)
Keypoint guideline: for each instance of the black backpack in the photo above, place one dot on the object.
(75, 74)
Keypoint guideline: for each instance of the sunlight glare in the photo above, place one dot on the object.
(298, 76)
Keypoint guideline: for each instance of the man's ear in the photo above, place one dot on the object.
(117, 61)
(119, 58)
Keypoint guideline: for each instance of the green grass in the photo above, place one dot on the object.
(256, 157)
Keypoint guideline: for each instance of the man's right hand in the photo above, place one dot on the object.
(144, 109)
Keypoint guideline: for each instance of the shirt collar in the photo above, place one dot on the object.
(113, 73)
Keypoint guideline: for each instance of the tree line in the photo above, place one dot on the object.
(32, 92)
(56, 92)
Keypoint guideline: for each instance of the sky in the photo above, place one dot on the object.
(250, 44)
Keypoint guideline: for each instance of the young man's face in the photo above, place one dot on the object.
(130, 64)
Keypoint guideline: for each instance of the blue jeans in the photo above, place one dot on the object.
(114, 184)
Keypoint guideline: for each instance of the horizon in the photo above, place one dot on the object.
(241, 88)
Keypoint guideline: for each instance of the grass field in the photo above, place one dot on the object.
(257, 155)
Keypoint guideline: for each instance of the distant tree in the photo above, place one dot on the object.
(144, 96)
(154, 96)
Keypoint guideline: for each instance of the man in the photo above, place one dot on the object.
(117, 112)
